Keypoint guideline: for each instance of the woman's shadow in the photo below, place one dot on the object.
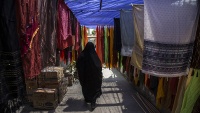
(76, 105)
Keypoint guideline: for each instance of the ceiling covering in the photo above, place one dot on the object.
(99, 12)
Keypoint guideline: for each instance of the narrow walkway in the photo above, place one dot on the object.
(117, 97)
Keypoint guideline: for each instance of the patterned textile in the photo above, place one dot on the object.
(64, 31)
(48, 22)
(127, 34)
(117, 35)
(28, 31)
(137, 55)
(168, 36)
(192, 93)
(11, 72)
(195, 63)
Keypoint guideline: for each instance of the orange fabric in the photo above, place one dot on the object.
(98, 43)
(62, 55)
(85, 36)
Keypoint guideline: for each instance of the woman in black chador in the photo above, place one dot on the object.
(90, 74)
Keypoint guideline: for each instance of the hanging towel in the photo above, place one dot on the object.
(168, 36)
(137, 55)
(127, 34)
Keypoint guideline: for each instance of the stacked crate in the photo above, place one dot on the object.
(31, 86)
(51, 78)
(45, 98)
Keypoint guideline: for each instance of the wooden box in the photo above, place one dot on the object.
(45, 94)
(45, 104)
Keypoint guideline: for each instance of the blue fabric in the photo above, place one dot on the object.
(89, 13)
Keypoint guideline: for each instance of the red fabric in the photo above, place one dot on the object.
(62, 55)
(98, 43)
(85, 36)
(27, 24)
(64, 31)
(77, 37)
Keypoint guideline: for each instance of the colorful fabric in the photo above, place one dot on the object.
(12, 89)
(64, 31)
(48, 21)
(192, 93)
(127, 33)
(180, 94)
(111, 46)
(168, 37)
(138, 17)
(27, 21)
(98, 43)
(106, 44)
(160, 92)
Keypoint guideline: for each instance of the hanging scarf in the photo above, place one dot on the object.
(27, 18)
(137, 55)
(168, 43)
(48, 35)
(127, 33)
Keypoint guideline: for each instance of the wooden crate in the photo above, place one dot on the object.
(45, 104)
(45, 94)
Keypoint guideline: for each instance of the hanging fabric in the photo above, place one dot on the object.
(77, 36)
(117, 35)
(64, 28)
(192, 93)
(82, 38)
(138, 17)
(106, 45)
(85, 36)
(169, 29)
(48, 23)
(28, 30)
(127, 33)
(98, 43)
(111, 51)
(195, 63)
(179, 96)
(12, 88)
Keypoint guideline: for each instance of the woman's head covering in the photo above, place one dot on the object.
(89, 47)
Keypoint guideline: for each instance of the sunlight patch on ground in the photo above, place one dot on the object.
(108, 73)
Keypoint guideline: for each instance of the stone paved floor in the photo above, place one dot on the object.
(117, 97)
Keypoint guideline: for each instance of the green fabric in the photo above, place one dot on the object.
(106, 44)
(192, 93)
(82, 38)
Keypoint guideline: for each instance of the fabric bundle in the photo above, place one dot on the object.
(168, 36)
(48, 22)
(127, 34)
(138, 17)
(11, 72)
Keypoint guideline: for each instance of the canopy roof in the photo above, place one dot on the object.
(99, 12)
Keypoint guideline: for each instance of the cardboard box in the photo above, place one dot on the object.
(45, 104)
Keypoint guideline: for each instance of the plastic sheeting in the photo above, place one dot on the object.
(93, 12)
